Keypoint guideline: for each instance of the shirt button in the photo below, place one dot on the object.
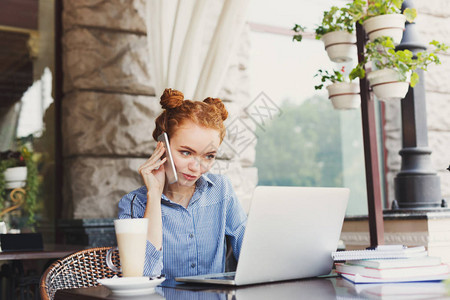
(191, 235)
(193, 265)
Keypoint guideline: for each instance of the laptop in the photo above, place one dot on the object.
(290, 234)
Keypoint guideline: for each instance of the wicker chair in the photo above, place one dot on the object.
(80, 269)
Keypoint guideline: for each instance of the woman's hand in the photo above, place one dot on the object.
(152, 171)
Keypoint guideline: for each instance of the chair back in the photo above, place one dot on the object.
(80, 269)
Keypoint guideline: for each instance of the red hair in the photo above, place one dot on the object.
(210, 113)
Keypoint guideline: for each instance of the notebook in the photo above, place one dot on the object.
(290, 233)
(404, 252)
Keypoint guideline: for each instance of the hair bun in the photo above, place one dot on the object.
(171, 99)
(219, 105)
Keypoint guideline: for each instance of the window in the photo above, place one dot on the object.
(27, 115)
(309, 143)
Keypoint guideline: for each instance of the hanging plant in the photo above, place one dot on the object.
(22, 158)
(381, 17)
(342, 93)
(343, 19)
(402, 64)
(383, 55)
(362, 10)
(336, 32)
(386, 7)
(336, 19)
(391, 68)
(331, 77)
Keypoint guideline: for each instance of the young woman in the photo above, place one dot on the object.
(188, 220)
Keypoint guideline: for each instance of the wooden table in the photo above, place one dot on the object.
(327, 288)
(13, 271)
(50, 251)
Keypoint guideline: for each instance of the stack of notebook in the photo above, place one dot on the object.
(406, 290)
(390, 264)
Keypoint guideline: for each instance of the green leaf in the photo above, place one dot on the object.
(397, 3)
(440, 47)
(357, 72)
(410, 14)
(414, 79)
(298, 28)
(297, 37)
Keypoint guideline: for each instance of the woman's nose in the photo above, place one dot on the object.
(194, 165)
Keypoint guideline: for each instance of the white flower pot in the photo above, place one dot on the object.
(387, 85)
(344, 95)
(15, 177)
(340, 45)
(391, 25)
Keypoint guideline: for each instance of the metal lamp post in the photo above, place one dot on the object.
(417, 185)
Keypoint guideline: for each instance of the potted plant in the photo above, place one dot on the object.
(336, 32)
(393, 71)
(383, 18)
(343, 94)
(19, 169)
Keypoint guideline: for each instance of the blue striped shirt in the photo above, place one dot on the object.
(193, 237)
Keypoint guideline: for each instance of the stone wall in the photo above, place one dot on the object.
(109, 106)
(432, 24)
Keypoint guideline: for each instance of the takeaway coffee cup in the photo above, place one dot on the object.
(131, 237)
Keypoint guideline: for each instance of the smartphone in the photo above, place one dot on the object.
(169, 166)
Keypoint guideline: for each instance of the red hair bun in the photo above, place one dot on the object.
(171, 99)
(219, 105)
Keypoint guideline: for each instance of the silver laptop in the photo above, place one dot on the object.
(290, 234)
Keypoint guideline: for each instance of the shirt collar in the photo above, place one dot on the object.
(203, 181)
(201, 184)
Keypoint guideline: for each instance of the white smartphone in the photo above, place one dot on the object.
(169, 166)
